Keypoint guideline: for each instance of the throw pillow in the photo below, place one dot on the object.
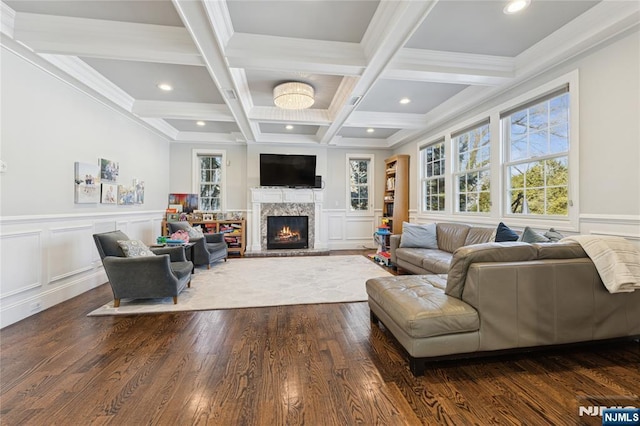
(195, 232)
(504, 233)
(135, 248)
(419, 236)
(531, 236)
(553, 235)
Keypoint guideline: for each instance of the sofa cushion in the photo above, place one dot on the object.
(567, 250)
(415, 256)
(504, 233)
(488, 252)
(418, 305)
(420, 236)
(553, 235)
(451, 235)
(437, 261)
(135, 248)
(531, 236)
(478, 235)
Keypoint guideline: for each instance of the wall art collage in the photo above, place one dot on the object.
(98, 183)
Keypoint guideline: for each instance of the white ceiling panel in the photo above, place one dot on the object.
(223, 59)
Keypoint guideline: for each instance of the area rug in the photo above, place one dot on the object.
(265, 281)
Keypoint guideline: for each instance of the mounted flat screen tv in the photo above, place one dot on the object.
(295, 171)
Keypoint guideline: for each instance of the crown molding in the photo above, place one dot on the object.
(72, 36)
(182, 110)
(450, 67)
(162, 126)
(273, 53)
(7, 19)
(218, 138)
(385, 120)
(316, 117)
(79, 70)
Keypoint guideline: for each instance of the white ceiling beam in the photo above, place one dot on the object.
(272, 53)
(182, 110)
(315, 117)
(7, 19)
(450, 67)
(385, 120)
(392, 25)
(201, 23)
(370, 143)
(64, 35)
(224, 138)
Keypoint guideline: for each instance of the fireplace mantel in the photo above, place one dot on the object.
(309, 200)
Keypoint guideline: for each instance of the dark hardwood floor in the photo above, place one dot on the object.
(289, 365)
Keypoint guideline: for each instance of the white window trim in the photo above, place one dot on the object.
(455, 188)
(571, 221)
(195, 173)
(371, 178)
(447, 177)
(498, 184)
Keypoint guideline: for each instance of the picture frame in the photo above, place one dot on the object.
(109, 193)
(126, 195)
(109, 170)
(86, 183)
(173, 217)
(207, 217)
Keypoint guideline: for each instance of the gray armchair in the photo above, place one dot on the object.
(163, 275)
(207, 250)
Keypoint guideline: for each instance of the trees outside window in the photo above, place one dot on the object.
(537, 147)
(432, 158)
(473, 162)
(360, 178)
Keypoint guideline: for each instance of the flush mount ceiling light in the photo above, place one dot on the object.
(293, 95)
(165, 86)
(515, 6)
(405, 101)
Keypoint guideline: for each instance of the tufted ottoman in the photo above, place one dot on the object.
(426, 321)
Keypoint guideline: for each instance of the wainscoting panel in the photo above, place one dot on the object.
(359, 228)
(70, 251)
(347, 232)
(20, 262)
(51, 258)
(336, 227)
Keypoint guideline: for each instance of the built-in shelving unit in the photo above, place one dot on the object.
(234, 232)
(396, 192)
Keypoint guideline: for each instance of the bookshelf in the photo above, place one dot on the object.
(234, 232)
(396, 192)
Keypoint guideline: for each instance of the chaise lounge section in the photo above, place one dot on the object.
(502, 296)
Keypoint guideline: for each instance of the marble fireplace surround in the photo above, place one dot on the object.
(284, 202)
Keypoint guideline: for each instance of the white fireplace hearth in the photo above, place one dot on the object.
(285, 202)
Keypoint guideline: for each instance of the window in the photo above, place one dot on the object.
(537, 156)
(209, 174)
(432, 158)
(473, 169)
(360, 173)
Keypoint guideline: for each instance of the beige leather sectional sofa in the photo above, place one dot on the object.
(500, 296)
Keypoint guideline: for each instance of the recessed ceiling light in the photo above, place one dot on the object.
(165, 86)
(405, 101)
(515, 6)
(288, 127)
(370, 130)
(200, 123)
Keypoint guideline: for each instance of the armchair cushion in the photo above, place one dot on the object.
(134, 248)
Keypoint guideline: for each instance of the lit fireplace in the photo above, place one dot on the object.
(287, 232)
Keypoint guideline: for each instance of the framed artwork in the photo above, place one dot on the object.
(126, 195)
(189, 202)
(109, 193)
(139, 191)
(173, 217)
(87, 183)
(109, 170)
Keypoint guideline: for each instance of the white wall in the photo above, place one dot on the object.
(609, 136)
(46, 247)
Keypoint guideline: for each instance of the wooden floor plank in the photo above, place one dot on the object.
(307, 364)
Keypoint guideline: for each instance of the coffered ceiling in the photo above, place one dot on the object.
(223, 59)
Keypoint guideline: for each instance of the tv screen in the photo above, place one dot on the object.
(288, 170)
